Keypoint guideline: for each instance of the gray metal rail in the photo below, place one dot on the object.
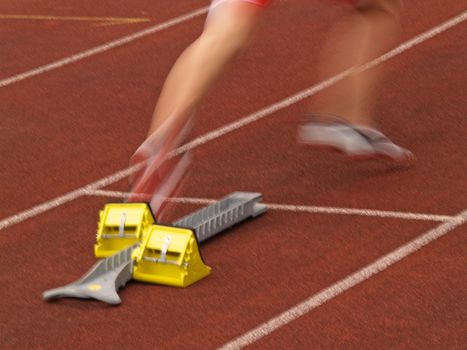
(223, 214)
(101, 282)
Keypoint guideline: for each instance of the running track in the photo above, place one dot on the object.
(380, 277)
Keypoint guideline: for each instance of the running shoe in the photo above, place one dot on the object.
(357, 142)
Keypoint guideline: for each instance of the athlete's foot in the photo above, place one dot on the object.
(161, 179)
(383, 147)
(161, 172)
(357, 142)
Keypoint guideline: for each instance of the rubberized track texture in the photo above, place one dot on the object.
(348, 256)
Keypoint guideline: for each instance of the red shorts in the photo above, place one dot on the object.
(264, 3)
(256, 2)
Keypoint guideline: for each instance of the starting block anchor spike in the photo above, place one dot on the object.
(101, 282)
(121, 229)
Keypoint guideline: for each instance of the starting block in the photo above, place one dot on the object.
(142, 250)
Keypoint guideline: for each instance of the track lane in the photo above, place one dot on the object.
(260, 269)
(418, 303)
(203, 124)
(327, 230)
(28, 44)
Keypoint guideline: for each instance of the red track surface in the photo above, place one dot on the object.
(66, 128)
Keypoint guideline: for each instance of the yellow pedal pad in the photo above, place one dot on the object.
(170, 256)
(120, 226)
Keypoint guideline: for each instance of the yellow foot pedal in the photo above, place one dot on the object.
(169, 255)
(120, 226)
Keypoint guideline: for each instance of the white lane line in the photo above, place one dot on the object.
(361, 212)
(68, 197)
(241, 122)
(73, 18)
(345, 284)
(104, 47)
(294, 208)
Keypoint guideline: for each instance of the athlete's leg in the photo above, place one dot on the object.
(365, 33)
(227, 29)
(368, 31)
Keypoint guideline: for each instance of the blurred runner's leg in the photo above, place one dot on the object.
(227, 29)
(368, 30)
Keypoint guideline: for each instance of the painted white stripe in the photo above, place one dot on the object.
(235, 125)
(104, 47)
(361, 212)
(295, 208)
(345, 284)
(74, 18)
(68, 197)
